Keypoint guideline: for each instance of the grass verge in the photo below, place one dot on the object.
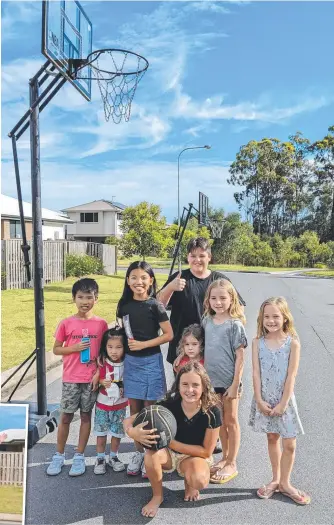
(18, 318)
(321, 273)
(166, 263)
(11, 498)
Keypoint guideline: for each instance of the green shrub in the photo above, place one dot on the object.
(321, 266)
(79, 265)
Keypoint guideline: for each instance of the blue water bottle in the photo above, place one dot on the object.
(85, 354)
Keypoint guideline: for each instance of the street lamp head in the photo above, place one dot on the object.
(207, 147)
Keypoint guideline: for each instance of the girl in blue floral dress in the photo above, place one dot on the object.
(275, 354)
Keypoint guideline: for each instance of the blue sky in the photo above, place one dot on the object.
(221, 73)
(12, 417)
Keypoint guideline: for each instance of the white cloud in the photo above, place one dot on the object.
(14, 14)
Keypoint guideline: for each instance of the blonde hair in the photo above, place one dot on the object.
(197, 332)
(235, 310)
(282, 305)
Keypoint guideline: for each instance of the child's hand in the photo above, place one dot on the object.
(178, 284)
(80, 346)
(145, 437)
(232, 392)
(264, 407)
(177, 362)
(105, 382)
(95, 381)
(278, 410)
(136, 345)
(121, 392)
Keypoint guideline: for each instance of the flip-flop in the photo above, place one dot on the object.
(214, 469)
(298, 497)
(266, 492)
(220, 481)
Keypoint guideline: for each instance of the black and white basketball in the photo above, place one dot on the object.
(160, 418)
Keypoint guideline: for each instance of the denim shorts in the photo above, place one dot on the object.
(109, 422)
(144, 377)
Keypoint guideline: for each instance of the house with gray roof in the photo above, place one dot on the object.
(95, 221)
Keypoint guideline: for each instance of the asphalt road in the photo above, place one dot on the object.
(117, 499)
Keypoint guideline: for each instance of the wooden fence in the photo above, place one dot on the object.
(13, 273)
(11, 468)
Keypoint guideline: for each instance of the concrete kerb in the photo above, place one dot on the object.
(11, 517)
(51, 361)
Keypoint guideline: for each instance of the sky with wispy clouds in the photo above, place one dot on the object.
(221, 73)
(12, 416)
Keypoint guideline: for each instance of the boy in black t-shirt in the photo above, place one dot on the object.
(193, 404)
(185, 292)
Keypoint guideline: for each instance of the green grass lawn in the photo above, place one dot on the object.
(321, 273)
(18, 321)
(11, 498)
(166, 263)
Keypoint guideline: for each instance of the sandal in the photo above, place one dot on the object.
(300, 497)
(265, 492)
(222, 478)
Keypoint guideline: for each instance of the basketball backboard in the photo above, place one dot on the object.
(203, 209)
(67, 33)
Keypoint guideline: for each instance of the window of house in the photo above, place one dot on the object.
(15, 230)
(89, 217)
(119, 216)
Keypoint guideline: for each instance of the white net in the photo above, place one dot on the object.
(216, 228)
(118, 73)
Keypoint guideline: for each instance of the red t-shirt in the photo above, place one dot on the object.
(186, 360)
(70, 331)
(114, 372)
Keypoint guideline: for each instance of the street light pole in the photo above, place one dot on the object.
(178, 193)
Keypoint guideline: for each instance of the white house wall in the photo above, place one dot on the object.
(50, 231)
(107, 225)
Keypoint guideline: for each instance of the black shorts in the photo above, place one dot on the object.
(220, 390)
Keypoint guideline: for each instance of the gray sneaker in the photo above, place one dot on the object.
(56, 464)
(100, 466)
(78, 466)
(116, 464)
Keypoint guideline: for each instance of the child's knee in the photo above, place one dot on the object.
(66, 418)
(273, 438)
(198, 480)
(85, 417)
(289, 445)
(231, 420)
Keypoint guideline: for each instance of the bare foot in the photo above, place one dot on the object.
(150, 510)
(190, 494)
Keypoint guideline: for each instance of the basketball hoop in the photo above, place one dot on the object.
(118, 73)
(216, 226)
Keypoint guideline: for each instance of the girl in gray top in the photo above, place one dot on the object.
(225, 341)
(274, 410)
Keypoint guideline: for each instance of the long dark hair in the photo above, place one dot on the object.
(117, 331)
(209, 398)
(127, 292)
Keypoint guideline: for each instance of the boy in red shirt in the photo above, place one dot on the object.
(78, 340)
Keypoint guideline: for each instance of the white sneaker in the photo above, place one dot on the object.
(100, 466)
(134, 467)
(116, 464)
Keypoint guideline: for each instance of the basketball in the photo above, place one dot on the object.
(160, 418)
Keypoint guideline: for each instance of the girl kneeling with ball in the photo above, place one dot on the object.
(194, 406)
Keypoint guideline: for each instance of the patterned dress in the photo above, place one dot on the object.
(273, 369)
